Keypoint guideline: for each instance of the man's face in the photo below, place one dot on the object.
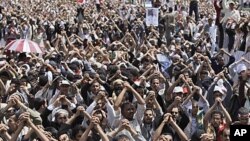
(244, 74)
(61, 118)
(98, 115)
(100, 104)
(12, 123)
(155, 84)
(244, 119)
(95, 87)
(195, 108)
(175, 113)
(118, 86)
(248, 72)
(148, 116)
(231, 6)
(216, 120)
(64, 88)
(217, 94)
(128, 112)
(220, 60)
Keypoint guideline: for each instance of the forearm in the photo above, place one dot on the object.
(187, 100)
(35, 116)
(170, 107)
(157, 105)
(39, 133)
(227, 115)
(171, 88)
(113, 77)
(119, 99)
(71, 119)
(146, 72)
(207, 115)
(139, 99)
(28, 135)
(6, 136)
(91, 107)
(113, 133)
(85, 135)
(104, 137)
(158, 131)
(179, 131)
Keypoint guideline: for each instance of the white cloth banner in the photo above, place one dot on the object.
(152, 16)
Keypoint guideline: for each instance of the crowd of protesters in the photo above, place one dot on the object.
(106, 75)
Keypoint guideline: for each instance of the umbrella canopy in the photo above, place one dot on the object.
(24, 45)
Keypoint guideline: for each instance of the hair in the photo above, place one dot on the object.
(217, 112)
(43, 80)
(52, 130)
(70, 76)
(123, 136)
(145, 59)
(153, 78)
(170, 9)
(38, 102)
(150, 109)
(124, 105)
(243, 111)
(100, 112)
(197, 134)
(76, 130)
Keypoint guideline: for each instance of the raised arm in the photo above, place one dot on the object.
(138, 97)
(179, 131)
(227, 115)
(120, 98)
(80, 112)
(208, 114)
(158, 131)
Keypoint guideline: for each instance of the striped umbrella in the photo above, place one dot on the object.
(24, 45)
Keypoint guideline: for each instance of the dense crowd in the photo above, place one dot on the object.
(106, 75)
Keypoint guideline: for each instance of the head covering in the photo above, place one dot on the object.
(231, 2)
(240, 68)
(57, 111)
(178, 89)
(219, 89)
(222, 90)
(65, 82)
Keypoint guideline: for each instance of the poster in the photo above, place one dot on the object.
(152, 15)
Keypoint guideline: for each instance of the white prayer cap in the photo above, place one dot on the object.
(240, 68)
(231, 2)
(178, 89)
(222, 90)
(57, 111)
(218, 89)
(65, 82)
